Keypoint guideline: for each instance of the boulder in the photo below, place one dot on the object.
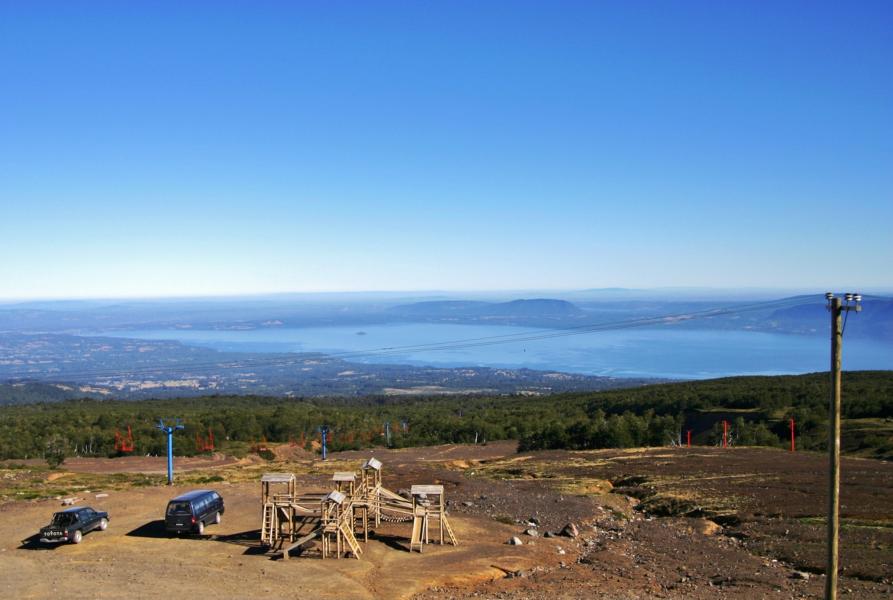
(570, 530)
(515, 541)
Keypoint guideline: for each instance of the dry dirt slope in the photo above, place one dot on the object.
(620, 552)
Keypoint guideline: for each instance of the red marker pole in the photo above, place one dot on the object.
(725, 434)
(689, 438)
(793, 446)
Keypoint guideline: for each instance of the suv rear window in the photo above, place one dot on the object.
(62, 519)
(178, 508)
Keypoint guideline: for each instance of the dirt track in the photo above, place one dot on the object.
(620, 553)
(135, 464)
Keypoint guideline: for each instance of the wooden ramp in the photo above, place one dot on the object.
(300, 542)
(418, 526)
(351, 540)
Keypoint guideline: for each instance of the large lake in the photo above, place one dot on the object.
(670, 353)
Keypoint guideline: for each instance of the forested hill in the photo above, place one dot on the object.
(757, 408)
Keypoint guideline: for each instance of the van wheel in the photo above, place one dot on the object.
(103, 524)
(77, 537)
(200, 527)
(217, 519)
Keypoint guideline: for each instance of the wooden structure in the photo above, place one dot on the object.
(334, 519)
(428, 505)
(370, 491)
(346, 482)
(287, 516)
(276, 493)
(337, 526)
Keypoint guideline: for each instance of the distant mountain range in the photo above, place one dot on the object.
(80, 349)
(536, 312)
(802, 315)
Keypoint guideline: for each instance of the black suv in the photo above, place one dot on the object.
(192, 511)
(71, 524)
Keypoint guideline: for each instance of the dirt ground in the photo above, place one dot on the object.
(663, 523)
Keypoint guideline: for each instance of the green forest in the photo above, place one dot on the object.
(757, 409)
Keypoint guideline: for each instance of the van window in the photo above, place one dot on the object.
(178, 508)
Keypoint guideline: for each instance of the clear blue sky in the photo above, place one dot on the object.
(164, 148)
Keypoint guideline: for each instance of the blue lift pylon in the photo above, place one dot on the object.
(169, 430)
(323, 434)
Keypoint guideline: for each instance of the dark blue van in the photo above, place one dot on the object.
(190, 512)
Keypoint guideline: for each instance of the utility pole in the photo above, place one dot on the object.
(837, 309)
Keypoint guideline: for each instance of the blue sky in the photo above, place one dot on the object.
(151, 149)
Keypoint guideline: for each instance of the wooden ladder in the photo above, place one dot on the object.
(449, 530)
(268, 524)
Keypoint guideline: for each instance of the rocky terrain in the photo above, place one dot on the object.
(659, 523)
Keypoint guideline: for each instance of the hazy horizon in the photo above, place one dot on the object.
(665, 292)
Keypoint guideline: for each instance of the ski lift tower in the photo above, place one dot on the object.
(169, 430)
(324, 434)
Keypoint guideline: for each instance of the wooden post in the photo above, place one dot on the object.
(725, 434)
(793, 445)
(689, 437)
(834, 452)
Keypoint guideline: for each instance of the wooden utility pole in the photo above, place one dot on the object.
(834, 451)
(837, 308)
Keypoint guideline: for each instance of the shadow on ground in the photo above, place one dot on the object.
(250, 540)
(152, 529)
(33, 543)
(392, 541)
